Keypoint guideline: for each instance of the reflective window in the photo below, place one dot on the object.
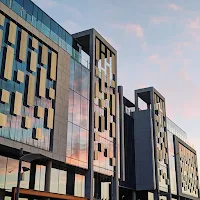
(84, 113)
(62, 182)
(77, 78)
(11, 174)
(54, 180)
(77, 109)
(40, 177)
(72, 73)
(76, 142)
(105, 190)
(69, 140)
(70, 105)
(3, 162)
(79, 188)
(85, 83)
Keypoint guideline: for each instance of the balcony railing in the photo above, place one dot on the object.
(82, 57)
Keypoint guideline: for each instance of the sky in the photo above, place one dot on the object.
(158, 44)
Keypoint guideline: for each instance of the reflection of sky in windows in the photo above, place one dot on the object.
(8, 173)
(78, 115)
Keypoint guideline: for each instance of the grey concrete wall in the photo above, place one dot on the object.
(144, 159)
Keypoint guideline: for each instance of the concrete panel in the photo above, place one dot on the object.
(144, 159)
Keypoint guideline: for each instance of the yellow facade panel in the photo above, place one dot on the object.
(9, 63)
(20, 76)
(50, 118)
(44, 54)
(113, 104)
(103, 48)
(96, 153)
(113, 64)
(102, 103)
(17, 103)
(113, 130)
(51, 93)
(97, 49)
(12, 33)
(33, 62)
(23, 46)
(108, 56)
(2, 19)
(108, 118)
(96, 120)
(53, 66)
(40, 112)
(5, 96)
(97, 71)
(35, 43)
(102, 81)
(113, 84)
(1, 37)
(108, 76)
(102, 128)
(3, 120)
(38, 134)
(96, 136)
(102, 60)
(42, 86)
(28, 122)
(96, 91)
(31, 90)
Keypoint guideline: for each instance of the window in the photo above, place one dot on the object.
(79, 188)
(28, 6)
(40, 177)
(3, 162)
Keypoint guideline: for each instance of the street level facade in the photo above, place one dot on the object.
(60, 103)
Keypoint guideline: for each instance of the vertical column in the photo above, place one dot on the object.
(70, 182)
(90, 173)
(121, 127)
(48, 176)
(32, 176)
(136, 101)
(97, 188)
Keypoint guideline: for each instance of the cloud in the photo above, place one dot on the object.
(194, 24)
(135, 29)
(183, 73)
(174, 7)
(157, 60)
(159, 20)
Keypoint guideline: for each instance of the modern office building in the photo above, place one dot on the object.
(159, 162)
(60, 103)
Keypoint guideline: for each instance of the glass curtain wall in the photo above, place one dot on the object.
(15, 128)
(78, 115)
(79, 187)
(8, 173)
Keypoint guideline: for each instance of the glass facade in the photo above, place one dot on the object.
(40, 177)
(79, 186)
(78, 115)
(43, 23)
(175, 130)
(58, 181)
(8, 173)
(17, 111)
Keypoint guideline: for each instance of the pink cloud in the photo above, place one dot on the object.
(174, 7)
(135, 29)
(183, 73)
(157, 60)
(195, 24)
(159, 20)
